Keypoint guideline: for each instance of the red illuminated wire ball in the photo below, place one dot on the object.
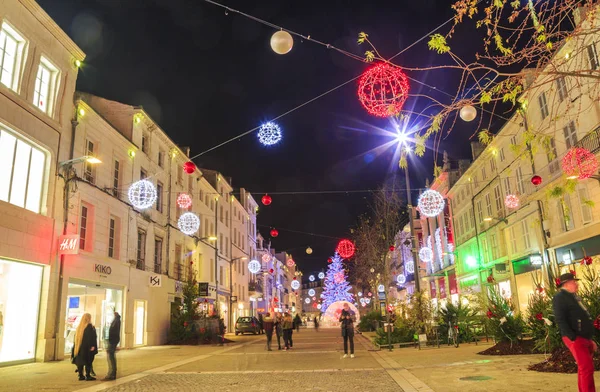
(184, 200)
(266, 200)
(579, 163)
(345, 249)
(382, 90)
(536, 180)
(189, 167)
(511, 201)
(274, 233)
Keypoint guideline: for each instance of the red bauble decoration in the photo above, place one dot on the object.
(579, 163)
(539, 316)
(274, 233)
(536, 180)
(271, 270)
(490, 314)
(587, 260)
(329, 260)
(295, 278)
(314, 305)
(185, 323)
(382, 90)
(490, 279)
(189, 167)
(540, 289)
(573, 272)
(370, 294)
(266, 200)
(597, 323)
(345, 249)
(275, 299)
(184, 200)
(392, 248)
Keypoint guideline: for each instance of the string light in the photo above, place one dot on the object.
(321, 275)
(307, 300)
(511, 201)
(295, 285)
(401, 279)
(311, 278)
(431, 203)
(184, 200)
(382, 90)
(381, 288)
(579, 163)
(311, 292)
(142, 194)
(290, 263)
(188, 223)
(269, 134)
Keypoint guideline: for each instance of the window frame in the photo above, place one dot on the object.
(52, 86)
(543, 103)
(20, 54)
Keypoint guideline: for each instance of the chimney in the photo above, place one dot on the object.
(476, 149)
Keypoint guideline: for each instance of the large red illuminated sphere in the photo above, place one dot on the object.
(345, 249)
(579, 163)
(536, 180)
(189, 167)
(266, 200)
(382, 90)
(274, 233)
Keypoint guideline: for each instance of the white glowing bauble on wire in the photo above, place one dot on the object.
(188, 223)
(431, 203)
(307, 300)
(426, 254)
(266, 257)
(269, 134)
(362, 300)
(282, 42)
(254, 266)
(311, 292)
(360, 293)
(409, 266)
(142, 194)
(295, 284)
(318, 306)
(311, 278)
(367, 300)
(468, 113)
(381, 288)
(321, 275)
(309, 251)
(401, 279)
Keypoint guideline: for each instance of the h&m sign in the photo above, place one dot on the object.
(102, 269)
(68, 244)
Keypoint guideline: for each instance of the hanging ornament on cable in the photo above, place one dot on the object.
(309, 251)
(307, 300)
(382, 90)
(392, 248)
(189, 167)
(184, 200)
(329, 260)
(431, 203)
(271, 271)
(426, 254)
(295, 285)
(401, 279)
(321, 275)
(266, 200)
(254, 266)
(345, 248)
(511, 201)
(142, 194)
(274, 233)
(311, 278)
(536, 180)
(188, 223)
(269, 134)
(290, 263)
(282, 42)
(579, 163)
(468, 113)
(409, 267)
(266, 257)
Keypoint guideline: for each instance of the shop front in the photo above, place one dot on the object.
(20, 290)
(453, 285)
(523, 269)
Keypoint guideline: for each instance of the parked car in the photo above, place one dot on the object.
(247, 324)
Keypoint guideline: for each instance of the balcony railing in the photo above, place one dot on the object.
(591, 141)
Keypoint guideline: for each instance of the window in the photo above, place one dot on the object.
(513, 239)
(235, 236)
(507, 187)
(83, 227)
(212, 270)
(586, 210)
(221, 214)
(212, 228)
(158, 245)
(141, 250)
(593, 56)
(488, 205)
(179, 176)
(112, 238)
(461, 225)
(566, 213)
(553, 163)
(526, 239)
(561, 88)
(143, 174)
(493, 165)
(498, 199)
(212, 205)
(483, 174)
(479, 211)
(145, 143)
(12, 48)
(520, 186)
(116, 173)
(200, 194)
(46, 83)
(221, 275)
(227, 218)
(161, 158)
(88, 168)
(494, 243)
(205, 228)
(178, 267)
(22, 180)
(191, 185)
(159, 197)
(484, 249)
(543, 105)
(513, 140)
(221, 243)
(227, 246)
(502, 157)
(570, 134)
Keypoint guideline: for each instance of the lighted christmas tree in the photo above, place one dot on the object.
(336, 286)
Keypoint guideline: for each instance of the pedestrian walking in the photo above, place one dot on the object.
(317, 324)
(297, 322)
(288, 328)
(114, 337)
(268, 324)
(85, 347)
(279, 329)
(347, 320)
(576, 328)
(260, 323)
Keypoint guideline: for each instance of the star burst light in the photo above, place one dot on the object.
(269, 134)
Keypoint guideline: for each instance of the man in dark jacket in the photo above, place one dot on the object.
(268, 324)
(114, 337)
(576, 328)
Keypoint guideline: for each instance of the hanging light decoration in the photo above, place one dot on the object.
(409, 267)
(345, 249)
(321, 275)
(290, 263)
(392, 248)
(269, 134)
(319, 307)
(188, 223)
(536, 180)
(282, 42)
(309, 251)
(468, 113)
(311, 293)
(274, 233)
(267, 200)
(381, 288)
(189, 167)
(579, 163)
(254, 266)
(401, 279)
(266, 257)
(184, 200)
(511, 201)
(426, 254)
(295, 285)
(142, 194)
(339, 277)
(307, 300)
(431, 203)
(271, 270)
(311, 278)
(382, 90)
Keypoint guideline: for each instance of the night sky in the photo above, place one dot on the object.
(206, 77)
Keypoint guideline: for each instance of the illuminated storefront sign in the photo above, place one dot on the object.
(68, 244)
(102, 269)
(536, 259)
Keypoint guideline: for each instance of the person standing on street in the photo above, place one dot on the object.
(347, 320)
(297, 322)
(114, 337)
(576, 328)
(268, 326)
(85, 347)
(288, 328)
(279, 329)
(316, 324)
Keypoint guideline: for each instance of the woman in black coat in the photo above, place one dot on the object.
(85, 347)
(347, 320)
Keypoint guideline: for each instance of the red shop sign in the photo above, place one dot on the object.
(442, 284)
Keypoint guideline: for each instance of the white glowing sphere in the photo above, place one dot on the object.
(318, 306)
(367, 300)
(360, 293)
(269, 134)
(142, 194)
(468, 113)
(295, 284)
(311, 278)
(409, 267)
(311, 292)
(188, 223)
(426, 254)
(282, 42)
(254, 266)
(307, 300)
(401, 279)
(431, 203)
(381, 288)
(321, 275)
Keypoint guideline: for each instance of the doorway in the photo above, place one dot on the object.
(140, 323)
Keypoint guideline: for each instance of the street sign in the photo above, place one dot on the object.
(233, 298)
(155, 281)
(203, 289)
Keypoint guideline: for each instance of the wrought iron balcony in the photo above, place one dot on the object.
(591, 141)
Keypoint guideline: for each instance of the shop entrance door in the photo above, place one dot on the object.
(140, 323)
(96, 299)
